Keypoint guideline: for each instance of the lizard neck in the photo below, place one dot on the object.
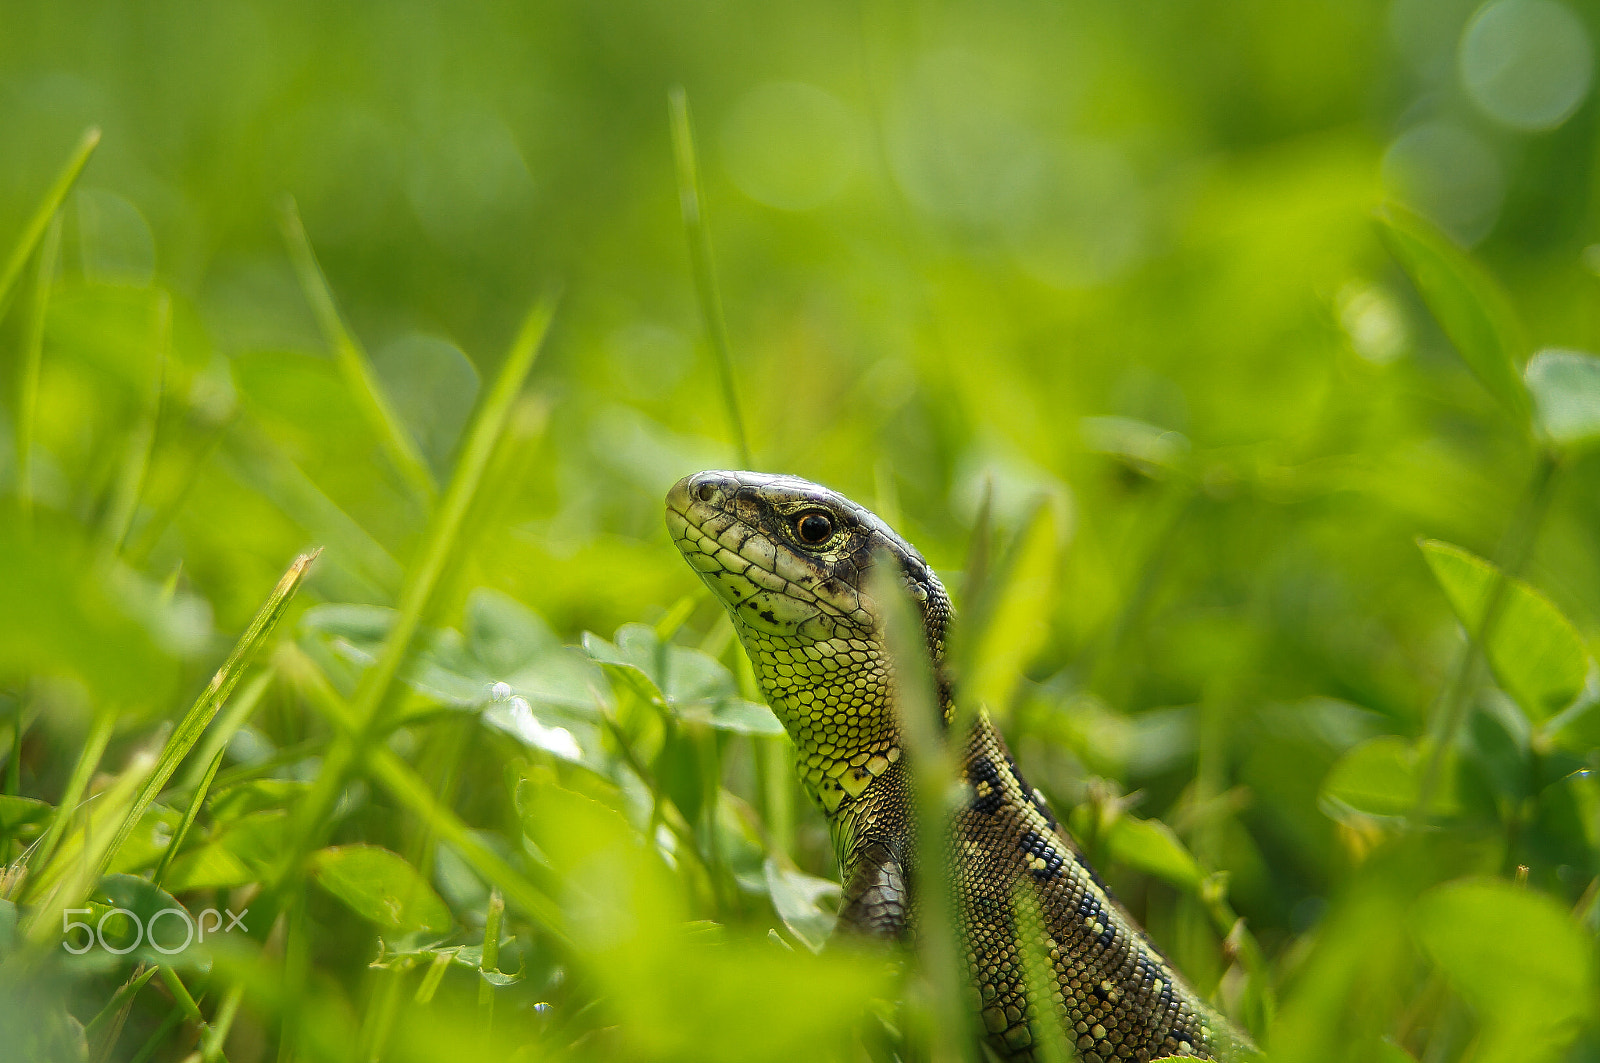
(833, 696)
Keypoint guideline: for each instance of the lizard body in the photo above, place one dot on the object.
(790, 561)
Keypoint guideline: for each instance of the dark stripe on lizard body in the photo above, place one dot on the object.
(790, 561)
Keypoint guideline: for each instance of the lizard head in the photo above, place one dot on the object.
(792, 563)
(791, 558)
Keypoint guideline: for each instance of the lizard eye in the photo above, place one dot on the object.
(813, 529)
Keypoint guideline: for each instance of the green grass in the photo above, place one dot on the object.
(1269, 511)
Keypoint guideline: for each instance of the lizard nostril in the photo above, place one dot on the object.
(706, 491)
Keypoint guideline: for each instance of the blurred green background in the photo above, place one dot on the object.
(1119, 253)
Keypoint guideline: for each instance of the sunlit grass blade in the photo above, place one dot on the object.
(297, 972)
(353, 363)
(34, 230)
(705, 274)
(431, 979)
(511, 466)
(387, 990)
(774, 762)
(933, 779)
(215, 695)
(32, 362)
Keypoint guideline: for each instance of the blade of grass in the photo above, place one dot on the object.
(431, 979)
(774, 760)
(261, 769)
(1101, 660)
(933, 778)
(27, 712)
(94, 747)
(32, 361)
(294, 977)
(189, 815)
(181, 995)
(287, 991)
(72, 872)
(141, 441)
(215, 695)
(217, 1035)
(700, 261)
(42, 215)
(153, 1043)
(106, 1027)
(445, 527)
(491, 959)
(489, 517)
(381, 1013)
(353, 363)
(217, 737)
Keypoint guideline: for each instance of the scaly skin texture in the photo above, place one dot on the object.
(799, 603)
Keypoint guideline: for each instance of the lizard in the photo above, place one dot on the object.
(790, 561)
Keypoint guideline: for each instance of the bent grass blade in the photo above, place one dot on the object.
(215, 695)
(352, 360)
